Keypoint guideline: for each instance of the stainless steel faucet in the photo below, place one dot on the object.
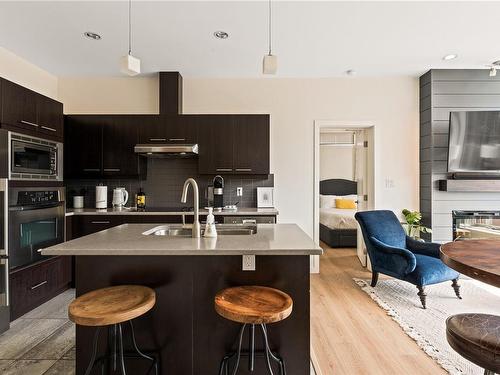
(196, 231)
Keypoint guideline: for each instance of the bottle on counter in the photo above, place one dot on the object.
(141, 200)
(210, 230)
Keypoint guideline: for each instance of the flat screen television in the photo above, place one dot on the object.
(474, 143)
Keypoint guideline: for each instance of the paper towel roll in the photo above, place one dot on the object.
(101, 196)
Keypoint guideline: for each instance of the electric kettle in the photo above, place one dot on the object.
(120, 197)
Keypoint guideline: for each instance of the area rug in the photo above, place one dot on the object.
(427, 327)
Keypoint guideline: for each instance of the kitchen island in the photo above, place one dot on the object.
(186, 273)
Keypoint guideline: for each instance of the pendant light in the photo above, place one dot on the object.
(129, 64)
(270, 62)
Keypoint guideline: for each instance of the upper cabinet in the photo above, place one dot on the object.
(169, 129)
(28, 112)
(99, 146)
(233, 144)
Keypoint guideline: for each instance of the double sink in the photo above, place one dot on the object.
(177, 230)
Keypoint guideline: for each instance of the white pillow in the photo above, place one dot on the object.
(327, 201)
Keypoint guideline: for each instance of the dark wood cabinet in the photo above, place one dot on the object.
(251, 144)
(234, 144)
(35, 284)
(102, 146)
(83, 147)
(169, 129)
(26, 111)
(153, 128)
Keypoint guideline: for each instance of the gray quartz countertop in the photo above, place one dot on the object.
(110, 211)
(128, 239)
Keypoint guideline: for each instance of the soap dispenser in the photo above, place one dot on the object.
(210, 230)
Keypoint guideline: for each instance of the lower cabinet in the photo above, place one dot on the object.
(35, 284)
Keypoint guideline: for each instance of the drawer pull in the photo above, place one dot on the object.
(249, 221)
(243, 169)
(112, 169)
(39, 285)
(157, 139)
(48, 128)
(29, 123)
(100, 222)
(177, 139)
(224, 169)
(91, 170)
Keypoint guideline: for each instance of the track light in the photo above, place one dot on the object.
(270, 61)
(493, 72)
(129, 64)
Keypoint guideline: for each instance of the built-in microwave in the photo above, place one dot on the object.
(32, 158)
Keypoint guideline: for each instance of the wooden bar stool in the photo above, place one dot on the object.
(251, 306)
(111, 307)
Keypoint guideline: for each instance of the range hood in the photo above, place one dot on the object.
(163, 150)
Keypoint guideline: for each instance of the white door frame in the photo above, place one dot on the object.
(318, 125)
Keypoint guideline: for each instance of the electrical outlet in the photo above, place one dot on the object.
(239, 191)
(248, 262)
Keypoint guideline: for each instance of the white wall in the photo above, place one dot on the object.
(391, 103)
(24, 73)
(336, 162)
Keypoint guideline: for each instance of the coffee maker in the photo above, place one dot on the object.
(218, 193)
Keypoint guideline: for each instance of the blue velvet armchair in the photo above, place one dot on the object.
(395, 254)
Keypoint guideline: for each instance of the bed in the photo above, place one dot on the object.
(337, 227)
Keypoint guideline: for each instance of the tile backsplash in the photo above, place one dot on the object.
(164, 182)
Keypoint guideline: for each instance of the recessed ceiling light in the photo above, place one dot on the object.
(91, 35)
(450, 57)
(221, 34)
(351, 72)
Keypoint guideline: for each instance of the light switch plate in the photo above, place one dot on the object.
(239, 191)
(248, 262)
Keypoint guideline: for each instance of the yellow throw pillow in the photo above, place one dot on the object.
(345, 203)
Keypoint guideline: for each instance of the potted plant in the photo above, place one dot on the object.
(413, 227)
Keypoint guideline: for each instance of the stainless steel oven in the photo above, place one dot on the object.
(31, 158)
(36, 220)
(4, 259)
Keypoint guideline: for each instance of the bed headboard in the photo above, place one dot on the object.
(338, 186)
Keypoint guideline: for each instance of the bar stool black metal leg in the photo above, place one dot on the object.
(251, 348)
(94, 351)
(120, 348)
(266, 349)
(155, 363)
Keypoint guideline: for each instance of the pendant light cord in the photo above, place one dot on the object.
(129, 27)
(270, 27)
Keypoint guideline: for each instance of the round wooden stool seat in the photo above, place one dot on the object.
(111, 305)
(253, 304)
(477, 338)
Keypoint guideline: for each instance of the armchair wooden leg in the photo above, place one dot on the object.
(422, 295)
(456, 287)
(374, 278)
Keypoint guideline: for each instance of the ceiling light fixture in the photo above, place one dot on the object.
(270, 62)
(450, 57)
(221, 34)
(493, 68)
(91, 35)
(129, 64)
(351, 72)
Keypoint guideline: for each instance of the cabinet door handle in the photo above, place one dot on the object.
(29, 123)
(176, 139)
(224, 169)
(100, 222)
(48, 128)
(157, 139)
(243, 169)
(39, 285)
(91, 170)
(112, 169)
(249, 221)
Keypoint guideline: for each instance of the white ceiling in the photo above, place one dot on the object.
(312, 39)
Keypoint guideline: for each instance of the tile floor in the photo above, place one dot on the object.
(42, 342)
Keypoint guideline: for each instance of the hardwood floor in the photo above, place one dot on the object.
(350, 333)
(41, 342)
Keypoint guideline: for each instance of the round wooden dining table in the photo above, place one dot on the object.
(479, 259)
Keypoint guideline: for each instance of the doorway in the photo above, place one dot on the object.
(344, 176)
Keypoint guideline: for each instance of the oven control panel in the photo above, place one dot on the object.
(37, 197)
